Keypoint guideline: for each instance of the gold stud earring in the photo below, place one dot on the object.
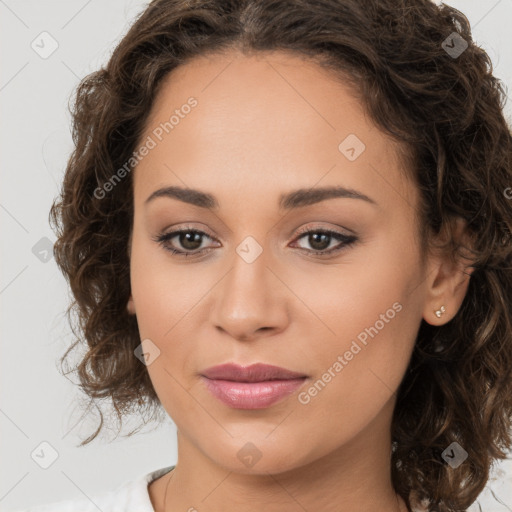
(440, 311)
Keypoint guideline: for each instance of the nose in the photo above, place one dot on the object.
(251, 301)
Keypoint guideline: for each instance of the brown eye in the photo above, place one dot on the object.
(188, 240)
(320, 239)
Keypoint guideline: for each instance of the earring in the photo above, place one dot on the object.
(440, 311)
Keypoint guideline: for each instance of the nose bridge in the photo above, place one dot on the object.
(247, 282)
(249, 298)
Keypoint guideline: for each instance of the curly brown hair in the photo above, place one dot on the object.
(445, 110)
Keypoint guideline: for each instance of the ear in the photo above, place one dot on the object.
(448, 278)
(130, 306)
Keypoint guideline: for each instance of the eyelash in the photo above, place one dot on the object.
(345, 241)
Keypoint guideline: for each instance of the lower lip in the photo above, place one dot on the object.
(251, 395)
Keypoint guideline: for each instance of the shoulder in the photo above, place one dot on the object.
(132, 496)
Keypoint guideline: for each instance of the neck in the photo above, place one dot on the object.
(355, 476)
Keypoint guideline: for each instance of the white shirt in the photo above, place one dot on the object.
(132, 496)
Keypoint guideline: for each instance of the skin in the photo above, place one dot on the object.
(265, 125)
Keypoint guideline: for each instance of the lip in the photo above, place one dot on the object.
(251, 387)
(258, 372)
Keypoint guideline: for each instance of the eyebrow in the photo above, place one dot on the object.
(288, 201)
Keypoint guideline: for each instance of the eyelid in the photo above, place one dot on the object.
(309, 227)
(305, 229)
(344, 240)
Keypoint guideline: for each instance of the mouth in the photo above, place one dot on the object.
(258, 372)
(253, 387)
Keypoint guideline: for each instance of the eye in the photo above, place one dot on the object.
(320, 239)
(190, 239)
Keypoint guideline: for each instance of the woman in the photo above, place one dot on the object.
(287, 225)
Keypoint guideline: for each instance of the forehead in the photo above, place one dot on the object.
(270, 119)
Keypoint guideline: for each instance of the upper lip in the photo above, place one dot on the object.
(258, 372)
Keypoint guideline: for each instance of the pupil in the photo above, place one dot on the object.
(188, 238)
(314, 244)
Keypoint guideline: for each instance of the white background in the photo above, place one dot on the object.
(37, 403)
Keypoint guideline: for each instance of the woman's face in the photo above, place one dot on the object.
(250, 131)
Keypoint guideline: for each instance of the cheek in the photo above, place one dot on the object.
(161, 302)
(372, 321)
(358, 371)
(163, 292)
